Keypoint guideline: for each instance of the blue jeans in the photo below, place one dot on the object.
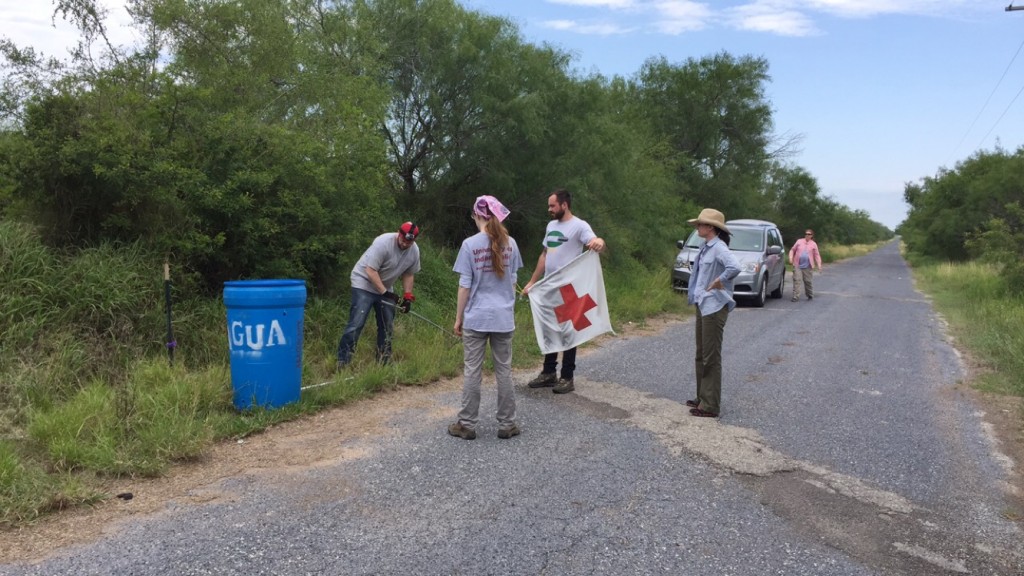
(362, 302)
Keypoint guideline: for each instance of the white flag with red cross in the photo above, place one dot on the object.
(569, 306)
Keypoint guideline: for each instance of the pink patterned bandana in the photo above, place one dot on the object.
(486, 206)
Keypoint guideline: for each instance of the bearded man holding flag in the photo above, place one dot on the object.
(564, 240)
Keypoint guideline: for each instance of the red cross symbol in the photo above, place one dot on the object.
(574, 308)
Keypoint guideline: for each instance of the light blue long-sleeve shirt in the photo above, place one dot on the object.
(714, 261)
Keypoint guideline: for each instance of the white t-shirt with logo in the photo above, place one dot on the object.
(491, 304)
(564, 241)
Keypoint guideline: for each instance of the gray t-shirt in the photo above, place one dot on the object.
(564, 241)
(390, 262)
(491, 304)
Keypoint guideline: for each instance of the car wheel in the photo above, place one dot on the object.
(762, 294)
(777, 293)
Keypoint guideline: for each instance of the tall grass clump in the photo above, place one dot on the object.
(984, 316)
(27, 490)
(161, 415)
(66, 318)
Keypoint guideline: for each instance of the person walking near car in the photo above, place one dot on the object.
(803, 256)
(710, 291)
(487, 264)
(390, 256)
(564, 240)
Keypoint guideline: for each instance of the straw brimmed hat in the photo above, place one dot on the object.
(712, 217)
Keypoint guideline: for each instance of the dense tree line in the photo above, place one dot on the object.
(252, 138)
(975, 210)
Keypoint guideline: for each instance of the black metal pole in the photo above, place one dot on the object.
(171, 344)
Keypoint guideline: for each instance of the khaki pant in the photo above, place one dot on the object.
(803, 277)
(710, 332)
(474, 345)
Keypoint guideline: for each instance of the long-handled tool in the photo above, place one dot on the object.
(425, 319)
(417, 315)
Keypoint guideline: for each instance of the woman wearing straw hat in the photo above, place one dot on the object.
(710, 291)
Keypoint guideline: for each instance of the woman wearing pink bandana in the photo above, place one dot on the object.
(487, 265)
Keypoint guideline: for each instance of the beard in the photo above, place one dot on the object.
(556, 215)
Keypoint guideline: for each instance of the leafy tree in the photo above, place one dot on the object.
(714, 114)
(947, 209)
(250, 152)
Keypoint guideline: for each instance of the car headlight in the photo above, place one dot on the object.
(681, 263)
(751, 267)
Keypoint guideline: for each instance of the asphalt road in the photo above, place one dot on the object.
(843, 449)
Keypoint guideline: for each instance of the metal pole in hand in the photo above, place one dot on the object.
(425, 319)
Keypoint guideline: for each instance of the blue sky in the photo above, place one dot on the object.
(881, 92)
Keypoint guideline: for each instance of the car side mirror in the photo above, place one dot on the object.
(680, 244)
(773, 250)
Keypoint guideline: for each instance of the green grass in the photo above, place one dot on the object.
(983, 317)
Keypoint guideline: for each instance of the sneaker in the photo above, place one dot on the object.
(794, 299)
(810, 297)
(461, 431)
(507, 433)
(545, 380)
(564, 385)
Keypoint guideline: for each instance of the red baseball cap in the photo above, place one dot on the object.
(409, 231)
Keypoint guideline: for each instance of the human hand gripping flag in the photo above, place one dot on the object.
(569, 307)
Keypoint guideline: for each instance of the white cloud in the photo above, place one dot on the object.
(599, 29)
(613, 4)
(868, 8)
(31, 23)
(678, 16)
(772, 17)
(780, 17)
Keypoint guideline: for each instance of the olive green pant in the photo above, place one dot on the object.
(708, 359)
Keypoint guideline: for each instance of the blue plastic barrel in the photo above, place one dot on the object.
(265, 321)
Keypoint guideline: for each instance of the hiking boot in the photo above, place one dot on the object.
(507, 433)
(564, 385)
(545, 380)
(461, 431)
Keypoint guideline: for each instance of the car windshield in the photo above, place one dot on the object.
(694, 241)
(747, 240)
(742, 240)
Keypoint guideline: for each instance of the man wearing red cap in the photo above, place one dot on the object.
(391, 256)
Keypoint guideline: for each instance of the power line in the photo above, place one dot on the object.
(1001, 116)
(989, 99)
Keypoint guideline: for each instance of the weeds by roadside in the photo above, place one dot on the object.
(983, 316)
(87, 392)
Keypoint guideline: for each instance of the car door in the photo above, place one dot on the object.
(776, 262)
